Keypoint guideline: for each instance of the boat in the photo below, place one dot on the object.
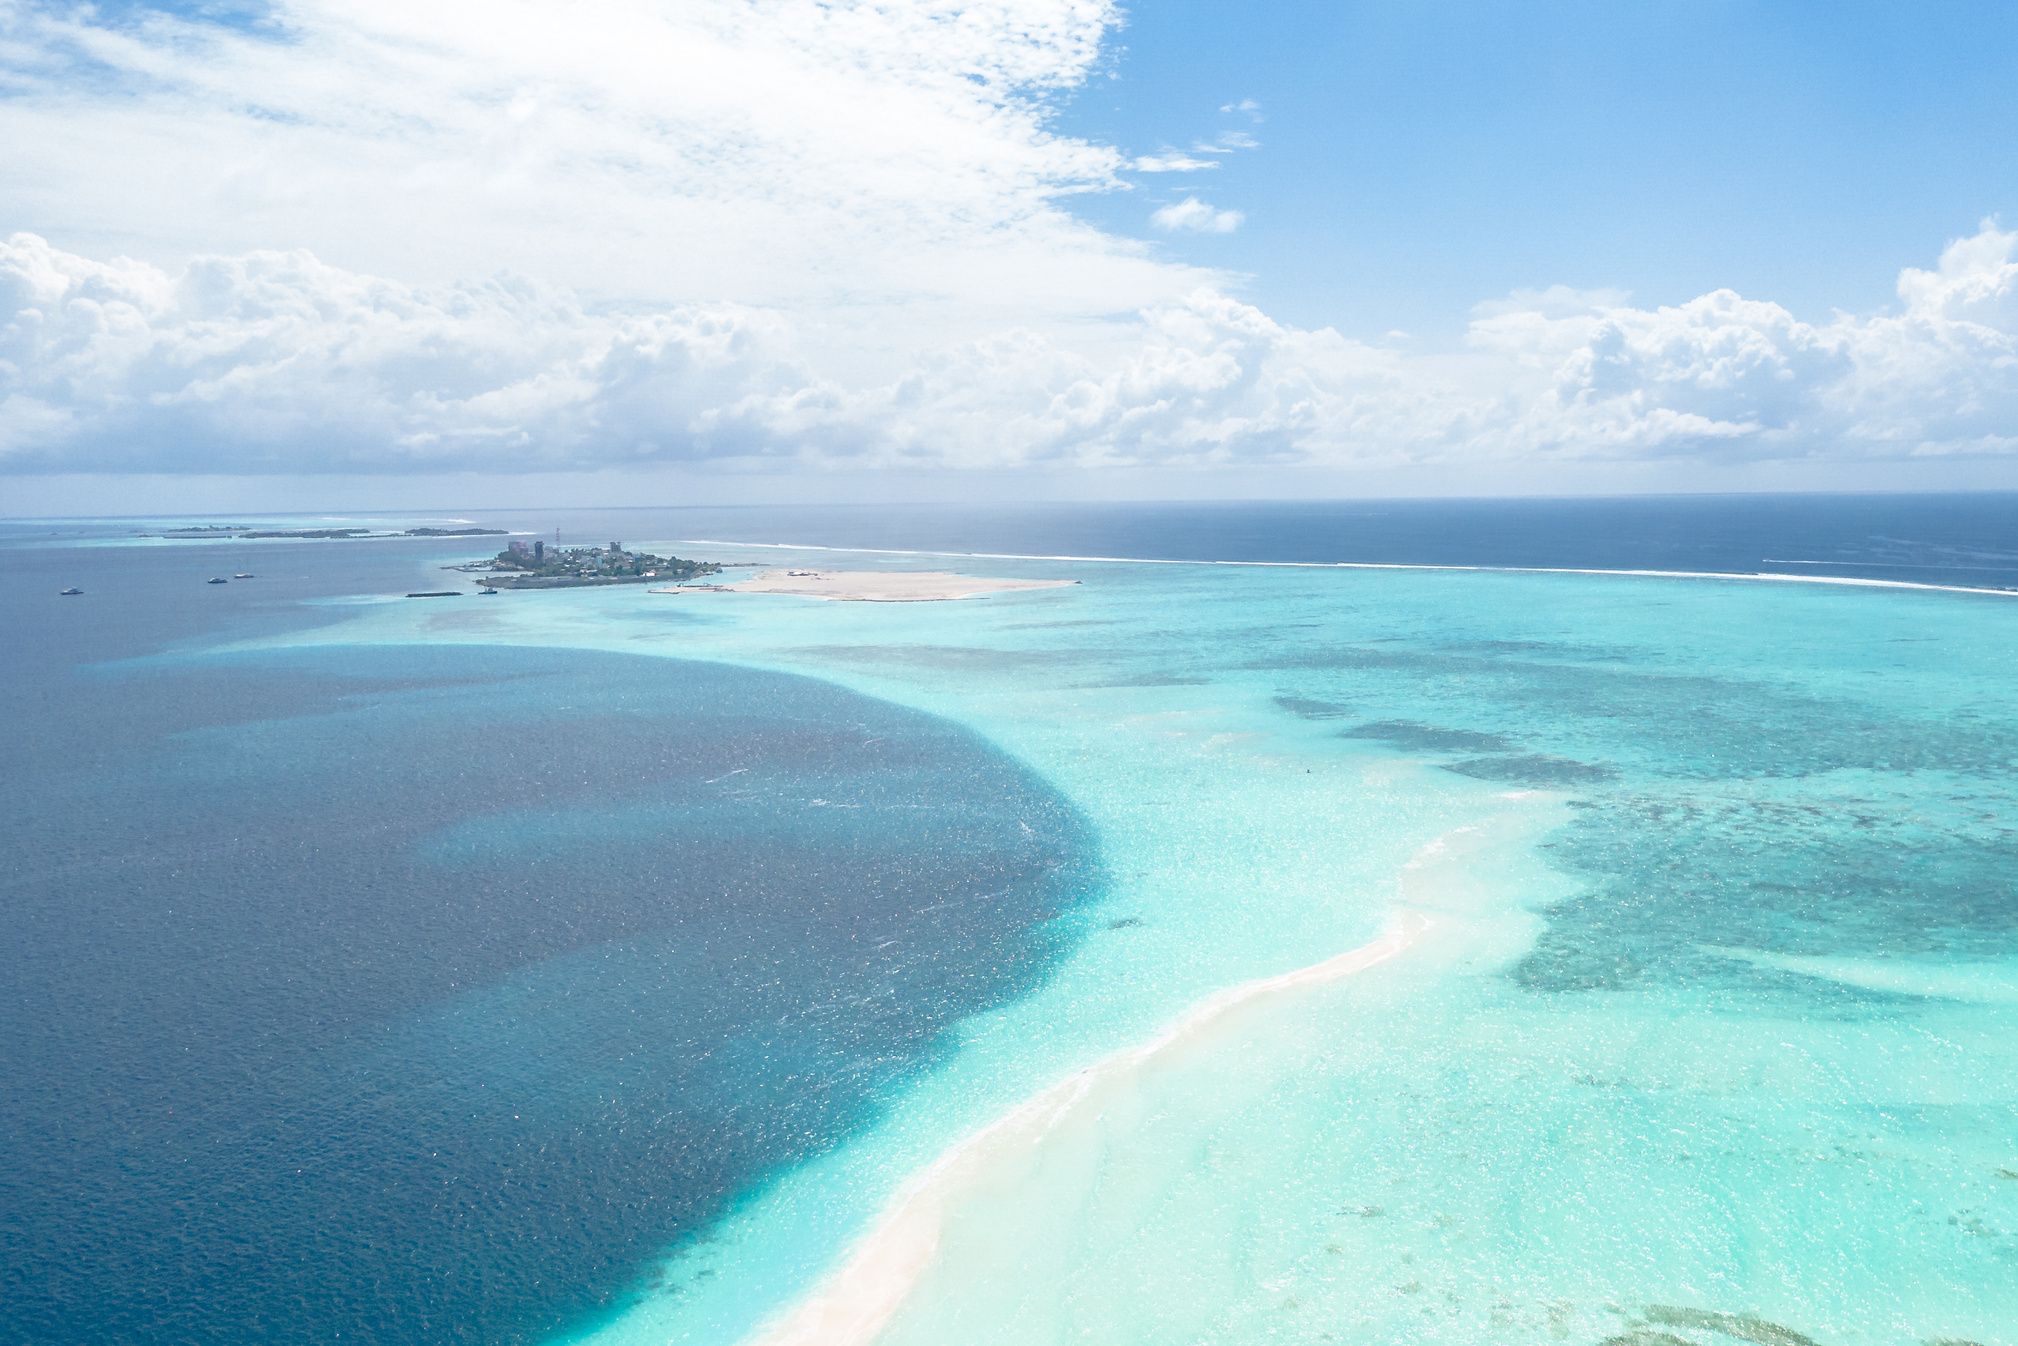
(217, 579)
(487, 593)
(67, 592)
(243, 576)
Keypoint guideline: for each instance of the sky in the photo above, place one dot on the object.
(319, 255)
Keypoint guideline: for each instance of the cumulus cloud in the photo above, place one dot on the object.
(795, 232)
(884, 168)
(1194, 216)
(273, 362)
(278, 362)
(1725, 376)
(1172, 163)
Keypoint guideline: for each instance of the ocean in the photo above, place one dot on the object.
(1479, 949)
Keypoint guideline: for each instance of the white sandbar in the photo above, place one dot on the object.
(860, 1299)
(871, 586)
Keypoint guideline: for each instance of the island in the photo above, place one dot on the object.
(347, 533)
(239, 532)
(538, 566)
(871, 586)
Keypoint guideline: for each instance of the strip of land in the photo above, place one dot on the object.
(1442, 900)
(870, 586)
(861, 1298)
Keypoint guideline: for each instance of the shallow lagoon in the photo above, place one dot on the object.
(1710, 1016)
(1655, 1068)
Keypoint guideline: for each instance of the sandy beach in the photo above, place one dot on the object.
(870, 586)
(862, 1296)
(859, 1300)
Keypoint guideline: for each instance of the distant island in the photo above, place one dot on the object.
(538, 566)
(240, 532)
(366, 532)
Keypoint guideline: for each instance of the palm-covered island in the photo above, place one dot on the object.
(535, 565)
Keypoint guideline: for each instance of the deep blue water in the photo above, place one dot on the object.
(1969, 539)
(1926, 539)
(428, 995)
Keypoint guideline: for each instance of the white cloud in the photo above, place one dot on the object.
(277, 362)
(882, 168)
(1557, 301)
(1226, 143)
(1172, 163)
(786, 232)
(1246, 107)
(1194, 216)
(1725, 376)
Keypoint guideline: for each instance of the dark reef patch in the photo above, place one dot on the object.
(1713, 813)
(1306, 709)
(1674, 879)
(1426, 737)
(1534, 769)
(1741, 1326)
(964, 658)
(1146, 680)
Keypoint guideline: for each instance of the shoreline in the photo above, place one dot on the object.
(870, 586)
(856, 1301)
(1762, 575)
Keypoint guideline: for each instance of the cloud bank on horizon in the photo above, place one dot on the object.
(772, 233)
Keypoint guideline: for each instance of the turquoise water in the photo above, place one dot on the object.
(1705, 1032)
(1194, 954)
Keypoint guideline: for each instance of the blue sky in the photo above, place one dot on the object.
(314, 251)
(1420, 156)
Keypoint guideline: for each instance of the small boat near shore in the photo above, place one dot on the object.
(66, 593)
(217, 579)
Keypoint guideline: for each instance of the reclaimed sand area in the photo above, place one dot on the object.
(869, 586)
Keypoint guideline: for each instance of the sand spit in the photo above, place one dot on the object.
(859, 1300)
(1765, 575)
(870, 586)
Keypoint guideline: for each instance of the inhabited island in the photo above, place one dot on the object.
(872, 586)
(535, 565)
